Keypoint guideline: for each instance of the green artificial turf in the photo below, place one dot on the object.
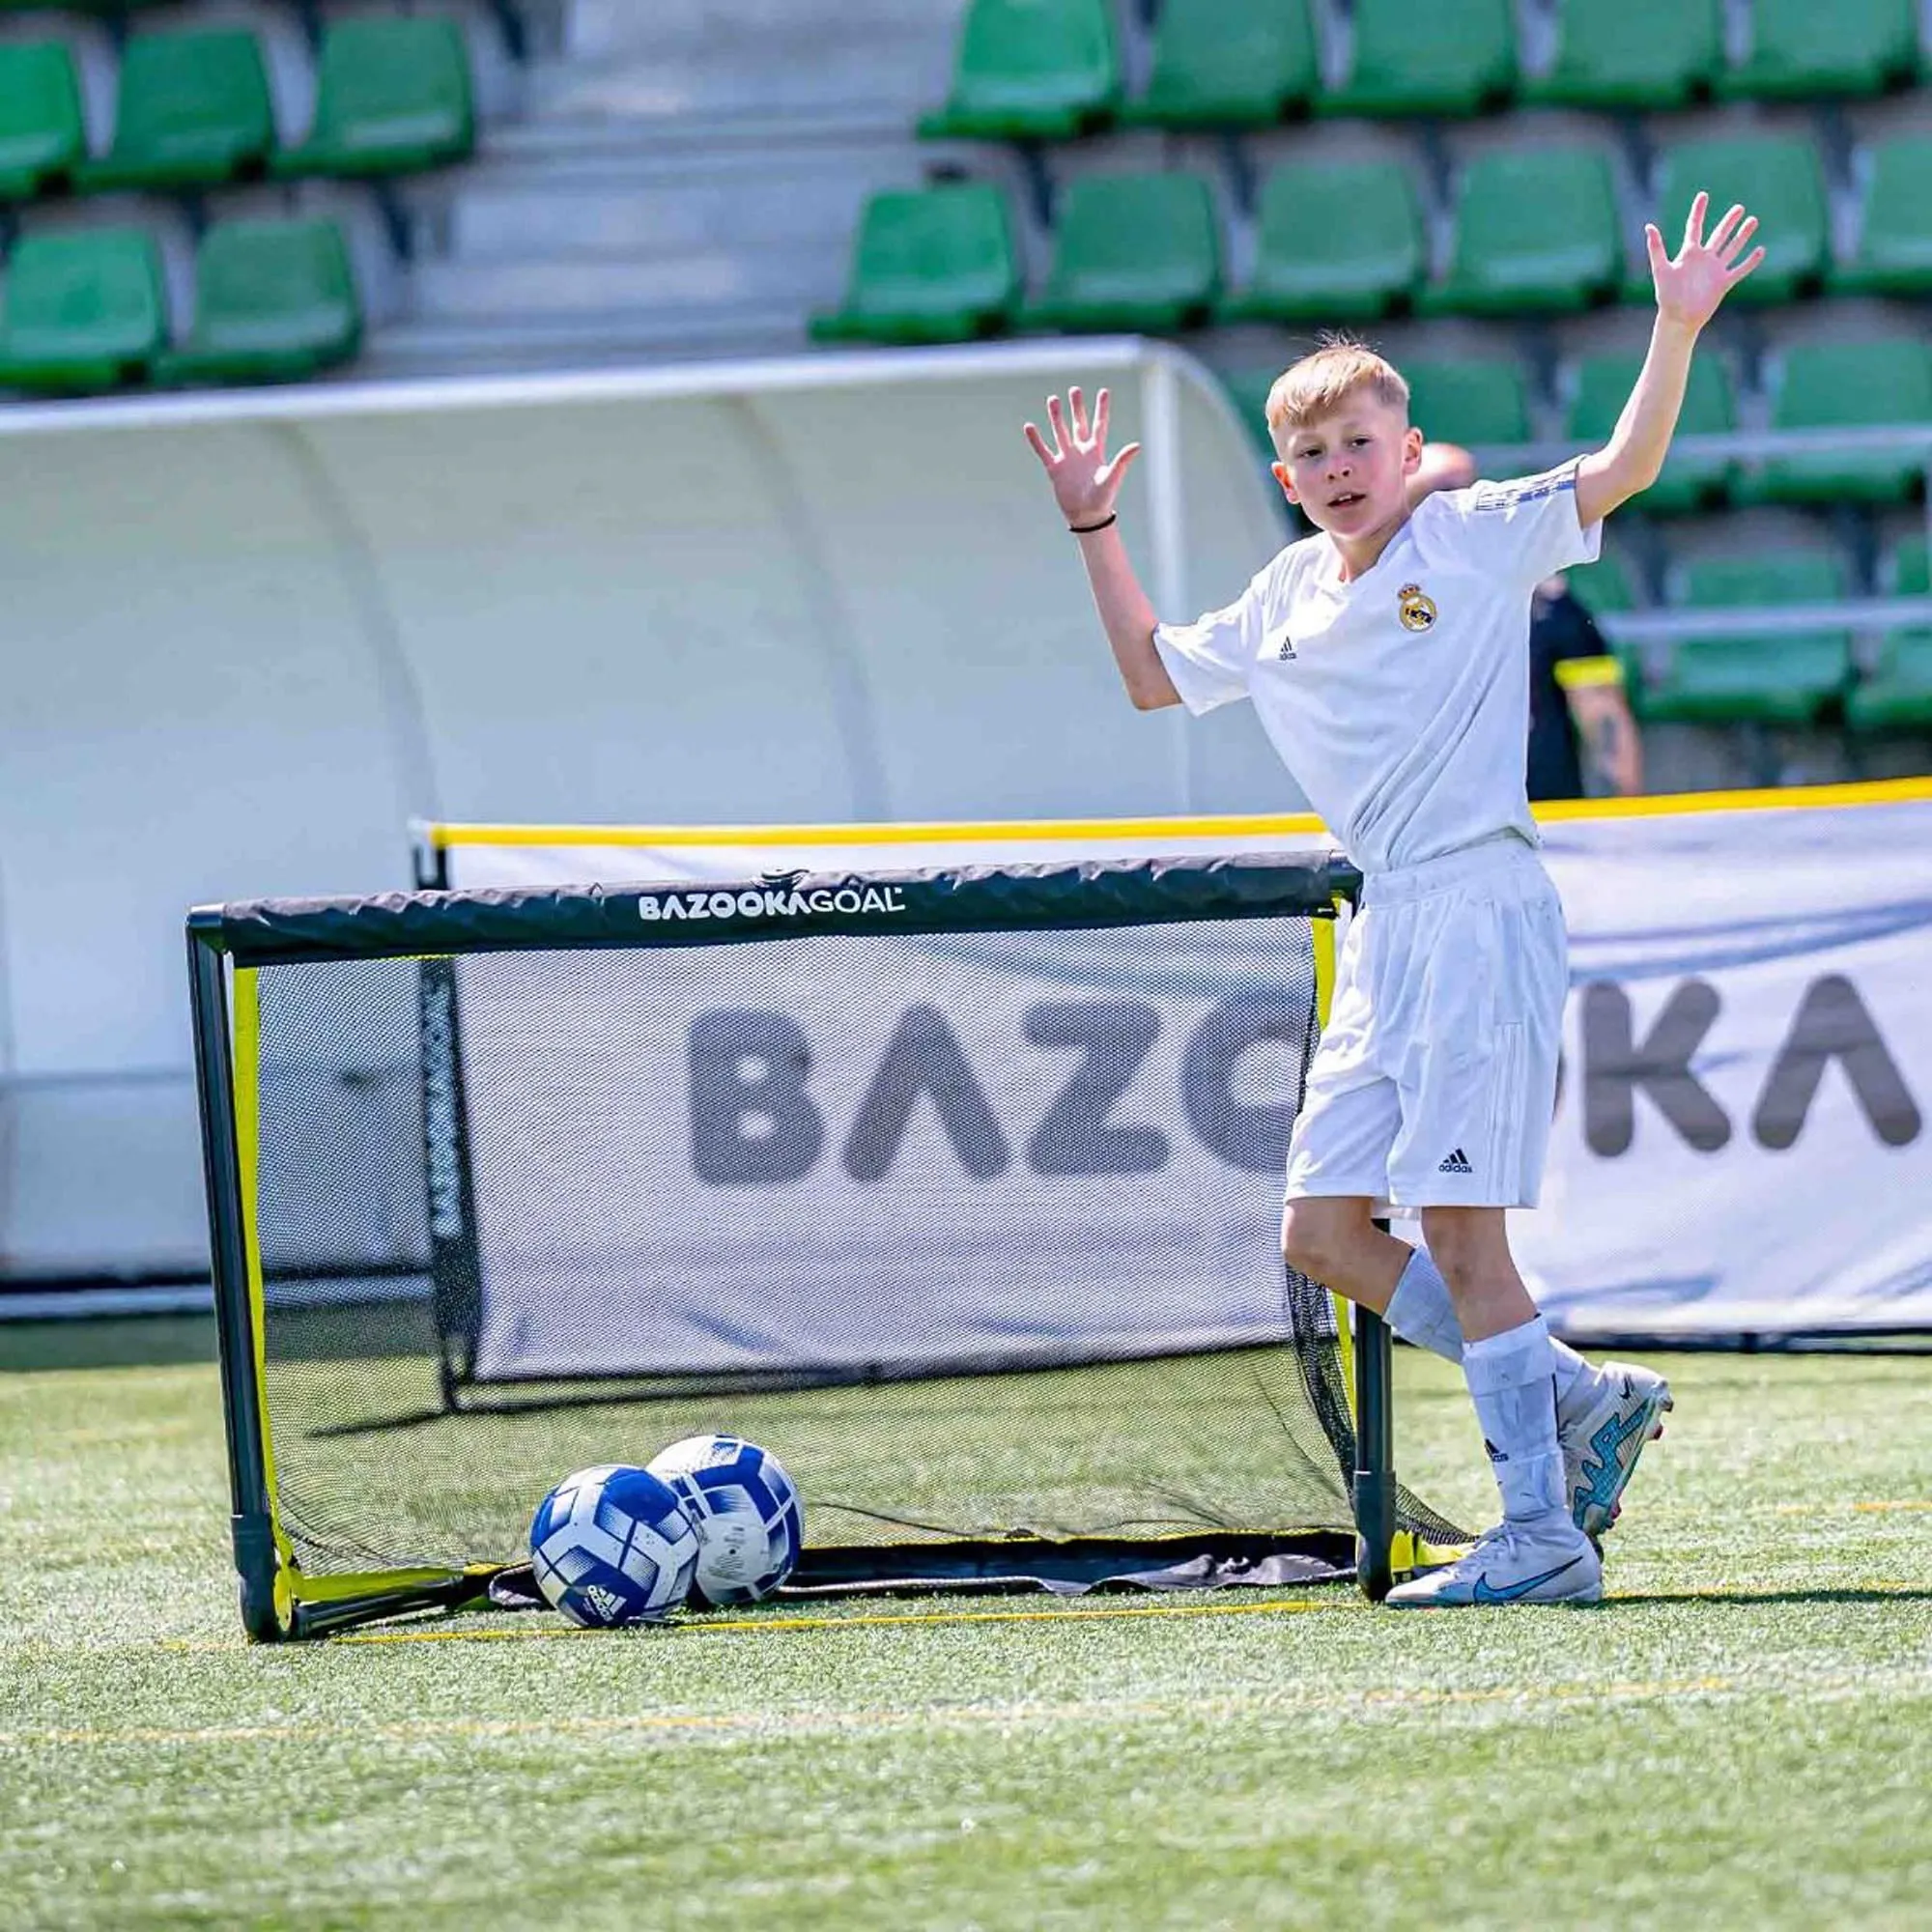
(1741, 1736)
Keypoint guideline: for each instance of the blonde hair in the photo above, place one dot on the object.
(1320, 383)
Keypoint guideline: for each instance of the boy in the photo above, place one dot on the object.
(1388, 656)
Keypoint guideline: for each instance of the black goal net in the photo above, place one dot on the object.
(958, 1191)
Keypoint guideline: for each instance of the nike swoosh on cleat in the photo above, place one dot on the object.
(1510, 1592)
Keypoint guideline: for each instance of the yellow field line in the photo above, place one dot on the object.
(880, 1718)
(1784, 798)
(523, 1629)
(1864, 1509)
(870, 1620)
(529, 1629)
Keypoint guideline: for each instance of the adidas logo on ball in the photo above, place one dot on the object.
(612, 1545)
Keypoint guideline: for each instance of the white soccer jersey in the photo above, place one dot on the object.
(1400, 701)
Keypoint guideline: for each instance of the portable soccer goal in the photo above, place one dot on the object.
(958, 1189)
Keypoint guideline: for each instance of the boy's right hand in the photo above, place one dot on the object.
(1084, 484)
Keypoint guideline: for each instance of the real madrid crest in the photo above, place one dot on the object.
(1417, 608)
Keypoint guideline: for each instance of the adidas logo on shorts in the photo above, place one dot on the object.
(1457, 1163)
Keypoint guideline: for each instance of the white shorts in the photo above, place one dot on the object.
(1436, 1077)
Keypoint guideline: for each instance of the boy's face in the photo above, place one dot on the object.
(1350, 472)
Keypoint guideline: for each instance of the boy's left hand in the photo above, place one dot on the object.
(1690, 288)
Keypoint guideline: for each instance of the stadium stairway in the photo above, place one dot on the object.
(681, 185)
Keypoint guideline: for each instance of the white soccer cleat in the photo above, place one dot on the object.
(1544, 1562)
(1613, 1410)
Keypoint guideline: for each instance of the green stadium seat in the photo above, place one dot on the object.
(1447, 57)
(1779, 177)
(1802, 48)
(1638, 54)
(42, 137)
(193, 112)
(1894, 256)
(1604, 588)
(1536, 230)
(1755, 677)
(1470, 403)
(1847, 384)
(1043, 70)
(1229, 63)
(274, 302)
(1312, 266)
(392, 97)
(1896, 694)
(1132, 252)
(929, 264)
(1604, 384)
(86, 311)
(1908, 570)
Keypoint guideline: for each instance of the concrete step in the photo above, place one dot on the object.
(557, 284)
(684, 180)
(736, 55)
(824, 81)
(804, 203)
(749, 32)
(589, 339)
(701, 141)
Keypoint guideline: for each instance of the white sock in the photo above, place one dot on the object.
(1421, 1312)
(1567, 1366)
(1512, 1378)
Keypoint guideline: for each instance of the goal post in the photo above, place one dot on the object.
(952, 1186)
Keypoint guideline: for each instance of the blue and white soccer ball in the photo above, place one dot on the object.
(746, 1510)
(611, 1546)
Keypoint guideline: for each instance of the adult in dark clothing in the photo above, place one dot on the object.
(1579, 718)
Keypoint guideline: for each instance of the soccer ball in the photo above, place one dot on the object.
(746, 1511)
(612, 1547)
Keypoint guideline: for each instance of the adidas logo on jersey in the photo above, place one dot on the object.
(1457, 1163)
(1287, 652)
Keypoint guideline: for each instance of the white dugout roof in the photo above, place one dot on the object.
(253, 634)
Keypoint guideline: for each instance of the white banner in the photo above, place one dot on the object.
(1741, 1144)
(883, 1154)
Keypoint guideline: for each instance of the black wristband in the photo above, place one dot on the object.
(1088, 530)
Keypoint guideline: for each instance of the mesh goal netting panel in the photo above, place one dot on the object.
(976, 1231)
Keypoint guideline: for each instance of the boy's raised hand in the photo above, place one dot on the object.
(1689, 287)
(1084, 484)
